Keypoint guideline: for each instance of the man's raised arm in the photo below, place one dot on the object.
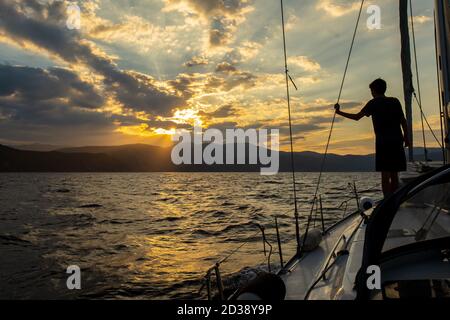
(353, 116)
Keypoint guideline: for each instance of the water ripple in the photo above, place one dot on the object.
(149, 235)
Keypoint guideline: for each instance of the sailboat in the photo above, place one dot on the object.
(400, 247)
(397, 248)
(415, 168)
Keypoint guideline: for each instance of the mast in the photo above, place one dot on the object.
(408, 88)
(442, 20)
(294, 184)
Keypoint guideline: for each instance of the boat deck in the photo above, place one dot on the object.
(411, 219)
(302, 272)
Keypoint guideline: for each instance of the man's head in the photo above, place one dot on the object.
(378, 87)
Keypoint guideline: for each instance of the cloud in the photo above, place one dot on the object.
(292, 22)
(297, 128)
(338, 8)
(221, 31)
(136, 63)
(37, 84)
(35, 102)
(135, 91)
(242, 52)
(222, 126)
(323, 120)
(243, 79)
(223, 16)
(139, 92)
(196, 61)
(210, 7)
(187, 84)
(305, 63)
(300, 125)
(422, 19)
(249, 50)
(225, 67)
(151, 128)
(49, 104)
(222, 112)
(190, 85)
(136, 33)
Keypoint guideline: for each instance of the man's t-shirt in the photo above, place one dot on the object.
(387, 114)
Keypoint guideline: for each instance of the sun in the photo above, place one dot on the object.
(162, 131)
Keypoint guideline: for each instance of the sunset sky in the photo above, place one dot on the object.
(139, 69)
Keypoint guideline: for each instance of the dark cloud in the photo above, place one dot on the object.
(185, 84)
(240, 78)
(57, 97)
(301, 127)
(36, 84)
(55, 113)
(196, 61)
(225, 67)
(137, 91)
(222, 112)
(19, 21)
(222, 126)
(286, 140)
(299, 130)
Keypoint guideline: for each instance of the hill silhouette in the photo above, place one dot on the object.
(148, 158)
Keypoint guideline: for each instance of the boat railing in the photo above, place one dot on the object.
(215, 273)
(354, 197)
(215, 270)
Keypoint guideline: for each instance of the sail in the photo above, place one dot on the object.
(442, 18)
(406, 70)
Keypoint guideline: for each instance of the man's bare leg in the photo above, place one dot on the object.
(386, 183)
(394, 181)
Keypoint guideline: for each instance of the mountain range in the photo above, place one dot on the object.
(148, 158)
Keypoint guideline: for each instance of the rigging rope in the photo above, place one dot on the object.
(419, 98)
(288, 77)
(425, 150)
(333, 121)
(250, 237)
(441, 112)
(426, 121)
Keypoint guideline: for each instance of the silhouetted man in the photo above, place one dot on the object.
(388, 121)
